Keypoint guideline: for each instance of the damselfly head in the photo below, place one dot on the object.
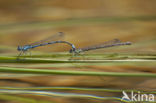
(19, 48)
(76, 51)
(71, 50)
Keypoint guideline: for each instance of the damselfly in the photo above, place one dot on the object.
(50, 40)
(111, 43)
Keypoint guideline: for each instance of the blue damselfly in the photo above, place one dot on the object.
(50, 40)
(111, 43)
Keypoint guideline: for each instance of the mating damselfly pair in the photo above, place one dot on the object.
(54, 39)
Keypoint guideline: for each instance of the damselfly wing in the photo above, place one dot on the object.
(54, 37)
(110, 42)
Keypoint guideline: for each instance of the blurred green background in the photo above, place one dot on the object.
(85, 23)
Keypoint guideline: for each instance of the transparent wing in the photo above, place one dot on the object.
(49, 39)
(111, 42)
(114, 41)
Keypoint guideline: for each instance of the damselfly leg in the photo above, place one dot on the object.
(20, 54)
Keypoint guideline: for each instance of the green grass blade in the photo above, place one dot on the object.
(67, 72)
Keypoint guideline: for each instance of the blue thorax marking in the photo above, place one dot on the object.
(26, 47)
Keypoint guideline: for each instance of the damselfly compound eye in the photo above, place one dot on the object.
(18, 48)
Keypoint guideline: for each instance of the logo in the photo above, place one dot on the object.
(138, 97)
